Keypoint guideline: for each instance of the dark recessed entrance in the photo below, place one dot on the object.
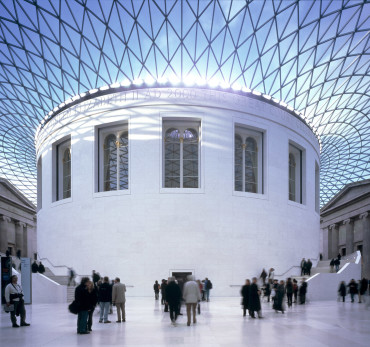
(181, 277)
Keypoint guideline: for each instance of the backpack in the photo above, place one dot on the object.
(209, 285)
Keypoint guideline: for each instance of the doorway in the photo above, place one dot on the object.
(181, 278)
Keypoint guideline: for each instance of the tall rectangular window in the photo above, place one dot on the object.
(63, 161)
(295, 174)
(181, 153)
(248, 156)
(113, 153)
(39, 184)
(317, 188)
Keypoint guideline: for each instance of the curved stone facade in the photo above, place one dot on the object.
(148, 231)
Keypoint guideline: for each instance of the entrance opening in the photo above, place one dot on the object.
(181, 278)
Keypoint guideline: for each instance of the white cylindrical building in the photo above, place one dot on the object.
(141, 183)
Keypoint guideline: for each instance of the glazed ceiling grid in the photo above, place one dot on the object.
(312, 55)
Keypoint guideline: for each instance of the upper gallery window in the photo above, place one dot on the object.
(63, 170)
(248, 169)
(295, 174)
(113, 158)
(181, 154)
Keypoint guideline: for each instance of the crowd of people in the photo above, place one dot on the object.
(353, 288)
(99, 291)
(274, 290)
(335, 262)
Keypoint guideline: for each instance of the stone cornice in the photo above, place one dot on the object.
(18, 205)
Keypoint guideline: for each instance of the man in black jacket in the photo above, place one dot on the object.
(104, 298)
(173, 297)
(254, 299)
(82, 299)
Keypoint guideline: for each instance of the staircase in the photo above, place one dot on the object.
(62, 280)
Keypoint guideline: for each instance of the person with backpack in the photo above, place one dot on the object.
(209, 286)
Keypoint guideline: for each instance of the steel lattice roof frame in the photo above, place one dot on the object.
(311, 55)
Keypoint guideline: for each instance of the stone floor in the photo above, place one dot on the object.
(220, 323)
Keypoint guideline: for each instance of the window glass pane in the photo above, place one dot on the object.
(67, 173)
(190, 182)
(238, 163)
(292, 178)
(123, 161)
(251, 165)
(110, 163)
(172, 158)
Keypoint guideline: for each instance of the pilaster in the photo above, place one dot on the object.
(366, 244)
(4, 221)
(349, 235)
(334, 233)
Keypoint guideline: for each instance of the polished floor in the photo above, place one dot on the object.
(220, 323)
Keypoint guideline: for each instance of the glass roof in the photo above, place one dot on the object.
(312, 55)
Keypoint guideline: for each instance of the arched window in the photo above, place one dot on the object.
(181, 154)
(113, 159)
(292, 177)
(248, 160)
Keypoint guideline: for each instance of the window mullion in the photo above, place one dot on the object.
(243, 167)
(181, 161)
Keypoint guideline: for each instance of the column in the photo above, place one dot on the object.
(334, 240)
(349, 235)
(19, 243)
(366, 244)
(329, 246)
(25, 240)
(4, 221)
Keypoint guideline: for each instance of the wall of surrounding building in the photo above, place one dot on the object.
(147, 232)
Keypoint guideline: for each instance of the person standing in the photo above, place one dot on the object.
(295, 290)
(279, 298)
(245, 296)
(289, 291)
(342, 291)
(34, 267)
(268, 290)
(263, 276)
(254, 299)
(303, 266)
(308, 267)
(363, 288)
(92, 299)
(41, 268)
(72, 275)
(104, 298)
(119, 299)
(191, 296)
(14, 295)
(95, 278)
(332, 265)
(156, 288)
(302, 292)
(82, 299)
(337, 264)
(173, 298)
(209, 286)
(271, 274)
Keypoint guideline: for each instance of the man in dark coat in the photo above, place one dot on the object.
(254, 299)
(104, 298)
(302, 292)
(173, 297)
(245, 296)
(353, 289)
(82, 298)
(364, 283)
(308, 267)
(342, 291)
(34, 267)
(279, 297)
(163, 291)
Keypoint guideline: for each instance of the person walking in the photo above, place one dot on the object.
(82, 299)
(353, 289)
(337, 264)
(268, 290)
(119, 299)
(104, 298)
(332, 265)
(303, 266)
(295, 291)
(173, 298)
(163, 291)
(342, 291)
(254, 299)
(289, 291)
(245, 296)
(209, 286)
(308, 267)
(14, 296)
(71, 278)
(191, 297)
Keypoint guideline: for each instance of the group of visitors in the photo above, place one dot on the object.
(99, 290)
(306, 266)
(275, 289)
(335, 262)
(353, 288)
(173, 296)
(37, 267)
